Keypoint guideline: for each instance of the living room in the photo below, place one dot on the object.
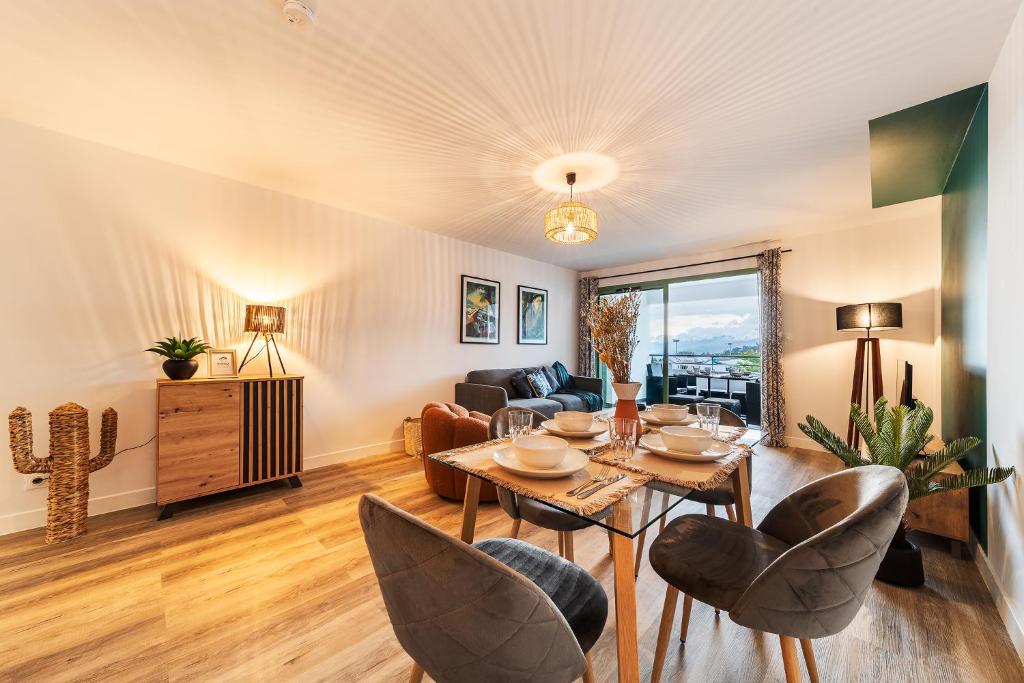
(273, 236)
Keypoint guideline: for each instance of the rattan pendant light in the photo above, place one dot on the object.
(571, 222)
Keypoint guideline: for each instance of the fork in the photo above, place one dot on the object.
(600, 476)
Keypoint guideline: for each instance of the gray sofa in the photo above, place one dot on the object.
(488, 390)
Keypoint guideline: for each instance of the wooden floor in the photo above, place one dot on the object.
(275, 584)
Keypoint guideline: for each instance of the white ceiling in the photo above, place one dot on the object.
(729, 121)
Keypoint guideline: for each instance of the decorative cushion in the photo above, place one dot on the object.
(539, 384)
(552, 377)
(519, 383)
(576, 594)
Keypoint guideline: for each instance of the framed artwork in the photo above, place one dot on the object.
(532, 315)
(223, 363)
(480, 311)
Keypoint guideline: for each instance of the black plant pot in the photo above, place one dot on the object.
(902, 565)
(180, 369)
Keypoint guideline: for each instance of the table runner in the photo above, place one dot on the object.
(477, 460)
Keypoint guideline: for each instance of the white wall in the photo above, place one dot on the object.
(889, 254)
(1004, 564)
(105, 251)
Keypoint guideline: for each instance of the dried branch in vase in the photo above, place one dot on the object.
(612, 322)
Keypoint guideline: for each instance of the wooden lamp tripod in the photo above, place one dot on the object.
(867, 365)
(266, 321)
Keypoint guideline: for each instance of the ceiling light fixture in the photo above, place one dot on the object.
(298, 13)
(571, 222)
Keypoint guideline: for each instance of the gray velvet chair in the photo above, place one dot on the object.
(802, 573)
(720, 495)
(500, 610)
(527, 509)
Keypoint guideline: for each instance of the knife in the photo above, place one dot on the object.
(607, 482)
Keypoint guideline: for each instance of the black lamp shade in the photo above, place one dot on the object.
(880, 316)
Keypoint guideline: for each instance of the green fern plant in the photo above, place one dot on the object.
(179, 349)
(897, 439)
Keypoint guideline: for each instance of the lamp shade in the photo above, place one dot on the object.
(880, 316)
(264, 319)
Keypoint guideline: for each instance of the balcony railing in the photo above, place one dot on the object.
(715, 362)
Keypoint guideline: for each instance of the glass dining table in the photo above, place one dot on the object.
(649, 489)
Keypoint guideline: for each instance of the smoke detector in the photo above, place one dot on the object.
(298, 13)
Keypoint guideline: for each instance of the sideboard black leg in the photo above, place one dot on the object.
(167, 511)
(294, 481)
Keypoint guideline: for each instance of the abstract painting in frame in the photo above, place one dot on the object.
(532, 315)
(480, 311)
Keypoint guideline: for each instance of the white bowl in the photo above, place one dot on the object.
(574, 421)
(670, 412)
(540, 451)
(686, 439)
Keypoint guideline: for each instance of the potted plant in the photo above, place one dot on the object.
(613, 325)
(179, 354)
(897, 439)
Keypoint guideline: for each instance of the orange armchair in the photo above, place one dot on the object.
(446, 426)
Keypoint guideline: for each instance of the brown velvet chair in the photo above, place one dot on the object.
(445, 426)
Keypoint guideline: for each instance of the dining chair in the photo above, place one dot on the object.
(801, 574)
(521, 509)
(722, 494)
(499, 610)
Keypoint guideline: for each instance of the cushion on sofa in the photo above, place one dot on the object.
(552, 377)
(521, 386)
(539, 384)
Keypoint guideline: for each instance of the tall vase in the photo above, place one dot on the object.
(625, 406)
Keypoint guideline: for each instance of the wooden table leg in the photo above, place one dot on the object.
(469, 506)
(741, 492)
(642, 538)
(625, 596)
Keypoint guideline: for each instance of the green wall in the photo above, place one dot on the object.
(965, 301)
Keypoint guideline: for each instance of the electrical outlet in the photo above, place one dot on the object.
(36, 481)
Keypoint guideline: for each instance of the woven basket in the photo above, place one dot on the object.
(413, 436)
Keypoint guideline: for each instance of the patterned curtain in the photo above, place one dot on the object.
(773, 400)
(585, 350)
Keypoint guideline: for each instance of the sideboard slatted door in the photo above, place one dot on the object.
(271, 429)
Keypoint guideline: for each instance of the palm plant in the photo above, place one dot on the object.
(897, 439)
(179, 349)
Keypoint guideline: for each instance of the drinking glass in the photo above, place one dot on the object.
(708, 415)
(622, 437)
(519, 423)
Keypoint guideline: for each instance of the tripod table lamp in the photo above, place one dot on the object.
(867, 367)
(266, 321)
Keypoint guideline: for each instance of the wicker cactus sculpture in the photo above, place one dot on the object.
(68, 464)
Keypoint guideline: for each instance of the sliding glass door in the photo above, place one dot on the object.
(699, 340)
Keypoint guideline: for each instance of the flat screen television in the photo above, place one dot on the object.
(907, 392)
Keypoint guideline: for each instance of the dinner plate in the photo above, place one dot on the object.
(596, 430)
(654, 444)
(648, 416)
(575, 460)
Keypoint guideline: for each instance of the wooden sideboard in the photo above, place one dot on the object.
(944, 514)
(226, 433)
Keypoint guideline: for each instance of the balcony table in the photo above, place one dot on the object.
(631, 501)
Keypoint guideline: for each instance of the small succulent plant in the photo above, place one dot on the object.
(179, 349)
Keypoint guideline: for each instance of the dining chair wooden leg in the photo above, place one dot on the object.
(611, 541)
(416, 675)
(516, 523)
(567, 545)
(731, 512)
(561, 544)
(710, 509)
(668, 613)
(812, 666)
(684, 625)
(664, 512)
(588, 675)
(642, 538)
(469, 506)
(789, 659)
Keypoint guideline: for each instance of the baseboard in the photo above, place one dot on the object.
(805, 443)
(33, 519)
(1014, 627)
(324, 459)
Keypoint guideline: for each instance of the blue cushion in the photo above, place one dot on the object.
(539, 384)
(551, 377)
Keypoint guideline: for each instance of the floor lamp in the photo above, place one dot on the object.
(266, 321)
(867, 366)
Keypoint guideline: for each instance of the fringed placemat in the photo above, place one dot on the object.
(477, 460)
(699, 476)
